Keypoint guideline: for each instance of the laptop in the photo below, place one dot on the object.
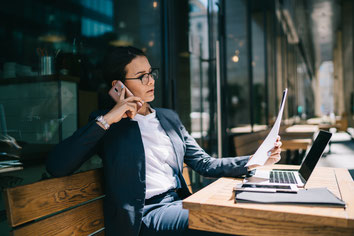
(291, 177)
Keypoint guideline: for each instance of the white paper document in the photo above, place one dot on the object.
(261, 155)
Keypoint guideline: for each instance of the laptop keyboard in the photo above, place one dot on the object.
(282, 177)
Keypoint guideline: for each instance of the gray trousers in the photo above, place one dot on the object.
(164, 215)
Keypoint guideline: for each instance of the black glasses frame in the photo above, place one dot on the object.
(150, 74)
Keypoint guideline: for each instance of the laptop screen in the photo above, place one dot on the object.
(314, 154)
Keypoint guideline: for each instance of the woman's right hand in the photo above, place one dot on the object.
(123, 107)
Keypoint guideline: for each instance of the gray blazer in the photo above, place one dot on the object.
(122, 152)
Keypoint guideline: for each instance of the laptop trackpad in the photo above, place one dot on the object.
(260, 176)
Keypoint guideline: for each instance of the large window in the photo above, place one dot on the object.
(258, 33)
(50, 72)
(52, 53)
(237, 58)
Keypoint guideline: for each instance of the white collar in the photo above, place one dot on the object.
(148, 117)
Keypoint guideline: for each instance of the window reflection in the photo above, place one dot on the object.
(237, 64)
(258, 64)
(42, 103)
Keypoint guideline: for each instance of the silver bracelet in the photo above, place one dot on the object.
(102, 121)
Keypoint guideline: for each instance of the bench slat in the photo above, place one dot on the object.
(29, 202)
(247, 144)
(82, 220)
(248, 149)
(248, 138)
(186, 177)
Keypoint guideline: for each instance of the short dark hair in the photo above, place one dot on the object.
(116, 60)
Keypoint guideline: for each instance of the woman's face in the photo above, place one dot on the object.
(136, 68)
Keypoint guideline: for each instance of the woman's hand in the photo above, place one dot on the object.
(123, 107)
(274, 155)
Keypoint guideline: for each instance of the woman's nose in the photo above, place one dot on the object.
(151, 80)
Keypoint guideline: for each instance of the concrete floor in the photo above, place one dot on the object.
(342, 153)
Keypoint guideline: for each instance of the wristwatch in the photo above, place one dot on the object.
(251, 173)
(102, 121)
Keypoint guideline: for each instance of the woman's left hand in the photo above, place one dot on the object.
(274, 155)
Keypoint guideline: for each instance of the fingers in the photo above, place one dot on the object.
(274, 158)
(277, 144)
(131, 109)
(122, 94)
(251, 167)
(276, 148)
(134, 99)
(134, 103)
(275, 152)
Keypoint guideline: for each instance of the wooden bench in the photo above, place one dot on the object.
(247, 144)
(70, 205)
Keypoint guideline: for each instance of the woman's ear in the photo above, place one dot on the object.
(114, 82)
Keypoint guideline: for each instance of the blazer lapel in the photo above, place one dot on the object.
(175, 139)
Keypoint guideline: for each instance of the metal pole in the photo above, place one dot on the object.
(201, 94)
(218, 99)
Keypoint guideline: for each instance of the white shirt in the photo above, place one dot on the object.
(159, 155)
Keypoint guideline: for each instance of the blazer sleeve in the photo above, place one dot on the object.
(208, 166)
(71, 153)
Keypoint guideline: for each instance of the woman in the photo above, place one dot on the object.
(142, 154)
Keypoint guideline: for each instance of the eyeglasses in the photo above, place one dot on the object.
(145, 78)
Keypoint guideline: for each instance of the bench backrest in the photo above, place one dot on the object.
(247, 144)
(70, 205)
(187, 177)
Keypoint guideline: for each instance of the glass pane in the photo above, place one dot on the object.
(291, 81)
(138, 23)
(199, 48)
(202, 77)
(202, 37)
(237, 64)
(271, 64)
(44, 40)
(258, 63)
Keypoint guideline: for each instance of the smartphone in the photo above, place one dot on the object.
(116, 90)
(292, 188)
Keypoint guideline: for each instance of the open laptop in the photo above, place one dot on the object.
(289, 177)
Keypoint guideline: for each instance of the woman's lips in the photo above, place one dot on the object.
(151, 91)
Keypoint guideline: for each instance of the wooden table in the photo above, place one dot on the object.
(213, 209)
(299, 131)
(327, 127)
(293, 144)
(296, 144)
